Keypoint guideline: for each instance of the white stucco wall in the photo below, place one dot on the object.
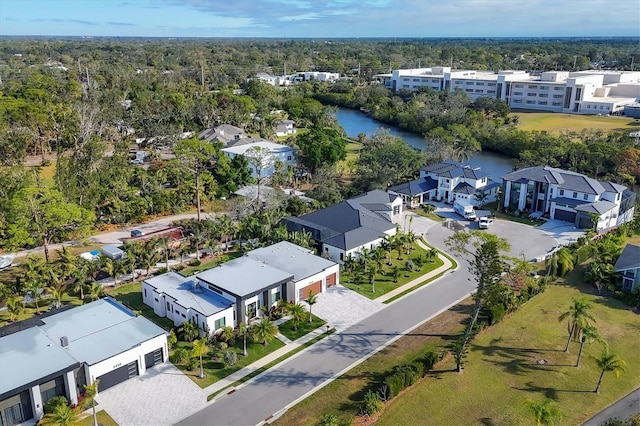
(320, 276)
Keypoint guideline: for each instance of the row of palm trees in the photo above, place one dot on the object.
(581, 328)
(370, 262)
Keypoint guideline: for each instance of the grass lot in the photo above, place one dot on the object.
(131, 295)
(104, 419)
(502, 373)
(304, 327)
(215, 370)
(210, 263)
(384, 280)
(431, 216)
(557, 122)
(345, 166)
(341, 397)
(30, 308)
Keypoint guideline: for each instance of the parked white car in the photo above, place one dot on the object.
(484, 222)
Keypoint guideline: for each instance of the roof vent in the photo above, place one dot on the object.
(64, 341)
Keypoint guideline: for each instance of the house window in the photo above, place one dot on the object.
(288, 158)
(575, 195)
(14, 414)
(184, 316)
(396, 210)
(561, 192)
(252, 310)
(275, 297)
(585, 197)
(220, 323)
(168, 306)
(341, 257)
(145, 292)
(156, 299)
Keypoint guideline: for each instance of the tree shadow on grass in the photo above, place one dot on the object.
(547, 391)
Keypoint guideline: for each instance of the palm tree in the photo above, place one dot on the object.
(579, 317)
(297, 312)
(163, 243)
(311, 300)
(243, 330)
(373, 270)
(609, 362)
(264, 331)
(63, 415)
(397, 243)
(544, 411)
(385, 247)
(349, 263)
(149, 255)
(34, 290)
(410, 238)
(189, 331)
(57, 294)
(15, 306)
(589, 333)
(364, 255)
(395, 273)
(378, 256)
(560, 262)
(67, 262)
(225, 229)
(96, 291)
(90, 393)
(81, 273)
(200, 349)
(482, 197)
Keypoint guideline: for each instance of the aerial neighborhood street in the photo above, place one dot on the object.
(340, 213)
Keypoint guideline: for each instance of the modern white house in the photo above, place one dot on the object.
(237, 290)
(448, 181)
(580, 92)
(269, 152)
(57, 353)
(628, 265)
(568, 196)
(346, 228)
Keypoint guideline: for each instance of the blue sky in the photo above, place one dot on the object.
(321, 18)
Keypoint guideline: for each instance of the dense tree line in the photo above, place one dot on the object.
(81, 103)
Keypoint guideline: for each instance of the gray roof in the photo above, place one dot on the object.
(223, 133)
(96, 331)
(568, 201)
(567, 180)
(356, 213)
(452, 169)
(354, 238)
(188, 294)
(464, 188)
(300, 262)
(415, 187)
(629, 258)
(100, 330)
(244, 276)
(29, 356)
(613, 187)
(599, 207)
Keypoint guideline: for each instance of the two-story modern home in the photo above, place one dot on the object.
(628, 265)
(448, 181)
(57, 353)
(347, 227)
(236, 291)
(568, 196)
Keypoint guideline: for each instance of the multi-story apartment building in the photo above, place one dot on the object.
(581, 92)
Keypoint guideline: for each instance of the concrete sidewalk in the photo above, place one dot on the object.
(446, 265)
(232, 378)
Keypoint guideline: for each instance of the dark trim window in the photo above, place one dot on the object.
(14, 414)
(220, 323)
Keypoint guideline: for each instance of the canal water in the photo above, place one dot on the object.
(355, 122)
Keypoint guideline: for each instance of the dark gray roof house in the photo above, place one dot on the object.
(629, 258)
(415, 187)
(349, 224)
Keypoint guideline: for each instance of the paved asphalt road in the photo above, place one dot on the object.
(283, 386)
(623, 409)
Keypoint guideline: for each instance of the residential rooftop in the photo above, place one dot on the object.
(187, 293)
(629, 258)
(244, 276)
(300, 262)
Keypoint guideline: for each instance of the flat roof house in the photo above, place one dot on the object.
(568, 196)
(57, 354)
(345, 228)
(235, 291)
(269, 151)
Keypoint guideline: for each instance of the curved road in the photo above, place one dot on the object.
(283, 386)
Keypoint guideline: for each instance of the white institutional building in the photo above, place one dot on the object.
(581, 92)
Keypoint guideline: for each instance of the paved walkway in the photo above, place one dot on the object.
(341, 307)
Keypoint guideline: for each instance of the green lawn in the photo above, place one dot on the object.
(431, 216)
(104, 419)
(211, 263)
(215, 370)
(304, 327)
(131, 295)
(384, 280)
(502, 372)
(30, 308)
(558, 122)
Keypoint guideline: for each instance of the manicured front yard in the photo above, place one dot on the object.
(359, 282)
(502, 370)
(215, 370)
(304, 327)
(104, 419)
